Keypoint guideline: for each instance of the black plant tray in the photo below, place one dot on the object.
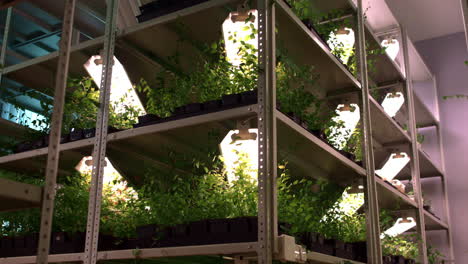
(211, 231)
(75, 135)
(194, 109)
(162, 7)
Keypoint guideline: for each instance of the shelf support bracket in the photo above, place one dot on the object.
(374, 250)
(267, 159)
(55, 134)
(415, 171)
(6, 33)
(99, 151)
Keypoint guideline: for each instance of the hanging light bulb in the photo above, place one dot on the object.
(392, 103)
(122, 91)
(401, 225)
(240, 27)
(240, 147)
(392, 47)
(343, 40)
(393, 166)
(347, 117)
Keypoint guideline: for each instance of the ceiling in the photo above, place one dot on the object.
(426, 19)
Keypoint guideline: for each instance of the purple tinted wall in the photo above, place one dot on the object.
(445, 57)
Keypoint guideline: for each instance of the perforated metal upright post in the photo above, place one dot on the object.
(464, 7)
(267, 167)
(55, 133)
(414, 164)
(6, 33)
(374, 250)
(99, 151)
(444, 177)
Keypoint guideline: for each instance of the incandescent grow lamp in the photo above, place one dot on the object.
(239, 29)
(347, 117)
(240, 149)
(392, 103)
(122, 91)
(342, 39)
(402, 225)
(392, 47)
(393, 166)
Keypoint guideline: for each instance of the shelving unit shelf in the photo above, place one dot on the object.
(140, 48)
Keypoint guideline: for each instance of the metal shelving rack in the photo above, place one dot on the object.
(276, 130)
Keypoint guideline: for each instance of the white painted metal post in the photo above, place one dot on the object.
(55, 134)
(267, 167)
(374, 250)
(6, 33)
(99, 152)
(444, 177)
(464, 9)
(415, 170)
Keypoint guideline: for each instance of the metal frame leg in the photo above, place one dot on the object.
(99, 152)
(6, 33)
(55, 133)
(444, 177)
(267, 170)
(415, 171)
(374, 250)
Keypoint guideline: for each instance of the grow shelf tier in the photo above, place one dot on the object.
(144, 140)
(424, 116)
(427, 167)
(391, 198)
(15, 195)
(306, 47)
(434, 223)
(385, 129)
(11, 129)
(387, 69)
(318, 258)
(142, 52)
(219, 249)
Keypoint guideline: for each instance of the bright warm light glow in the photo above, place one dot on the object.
(392, 103)
(392, 47)
(401, 226)
(235, 30)
(113, 182)
(347, 118)
(85, 166)
(122, 91)
(351, 202)
(393, 166)
(343, 40)
(237, 150)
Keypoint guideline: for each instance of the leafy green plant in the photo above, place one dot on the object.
(434, 256)
(402, 245)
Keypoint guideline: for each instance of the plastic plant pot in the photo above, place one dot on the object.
(243, 229)
(230, 100)
(89, 132)
(218, 231)
(75, 135)
(211, 106)
(38, 143)
(249, 97)
(360, 251)
(148, 118)
(193, 108)
(22, 147)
